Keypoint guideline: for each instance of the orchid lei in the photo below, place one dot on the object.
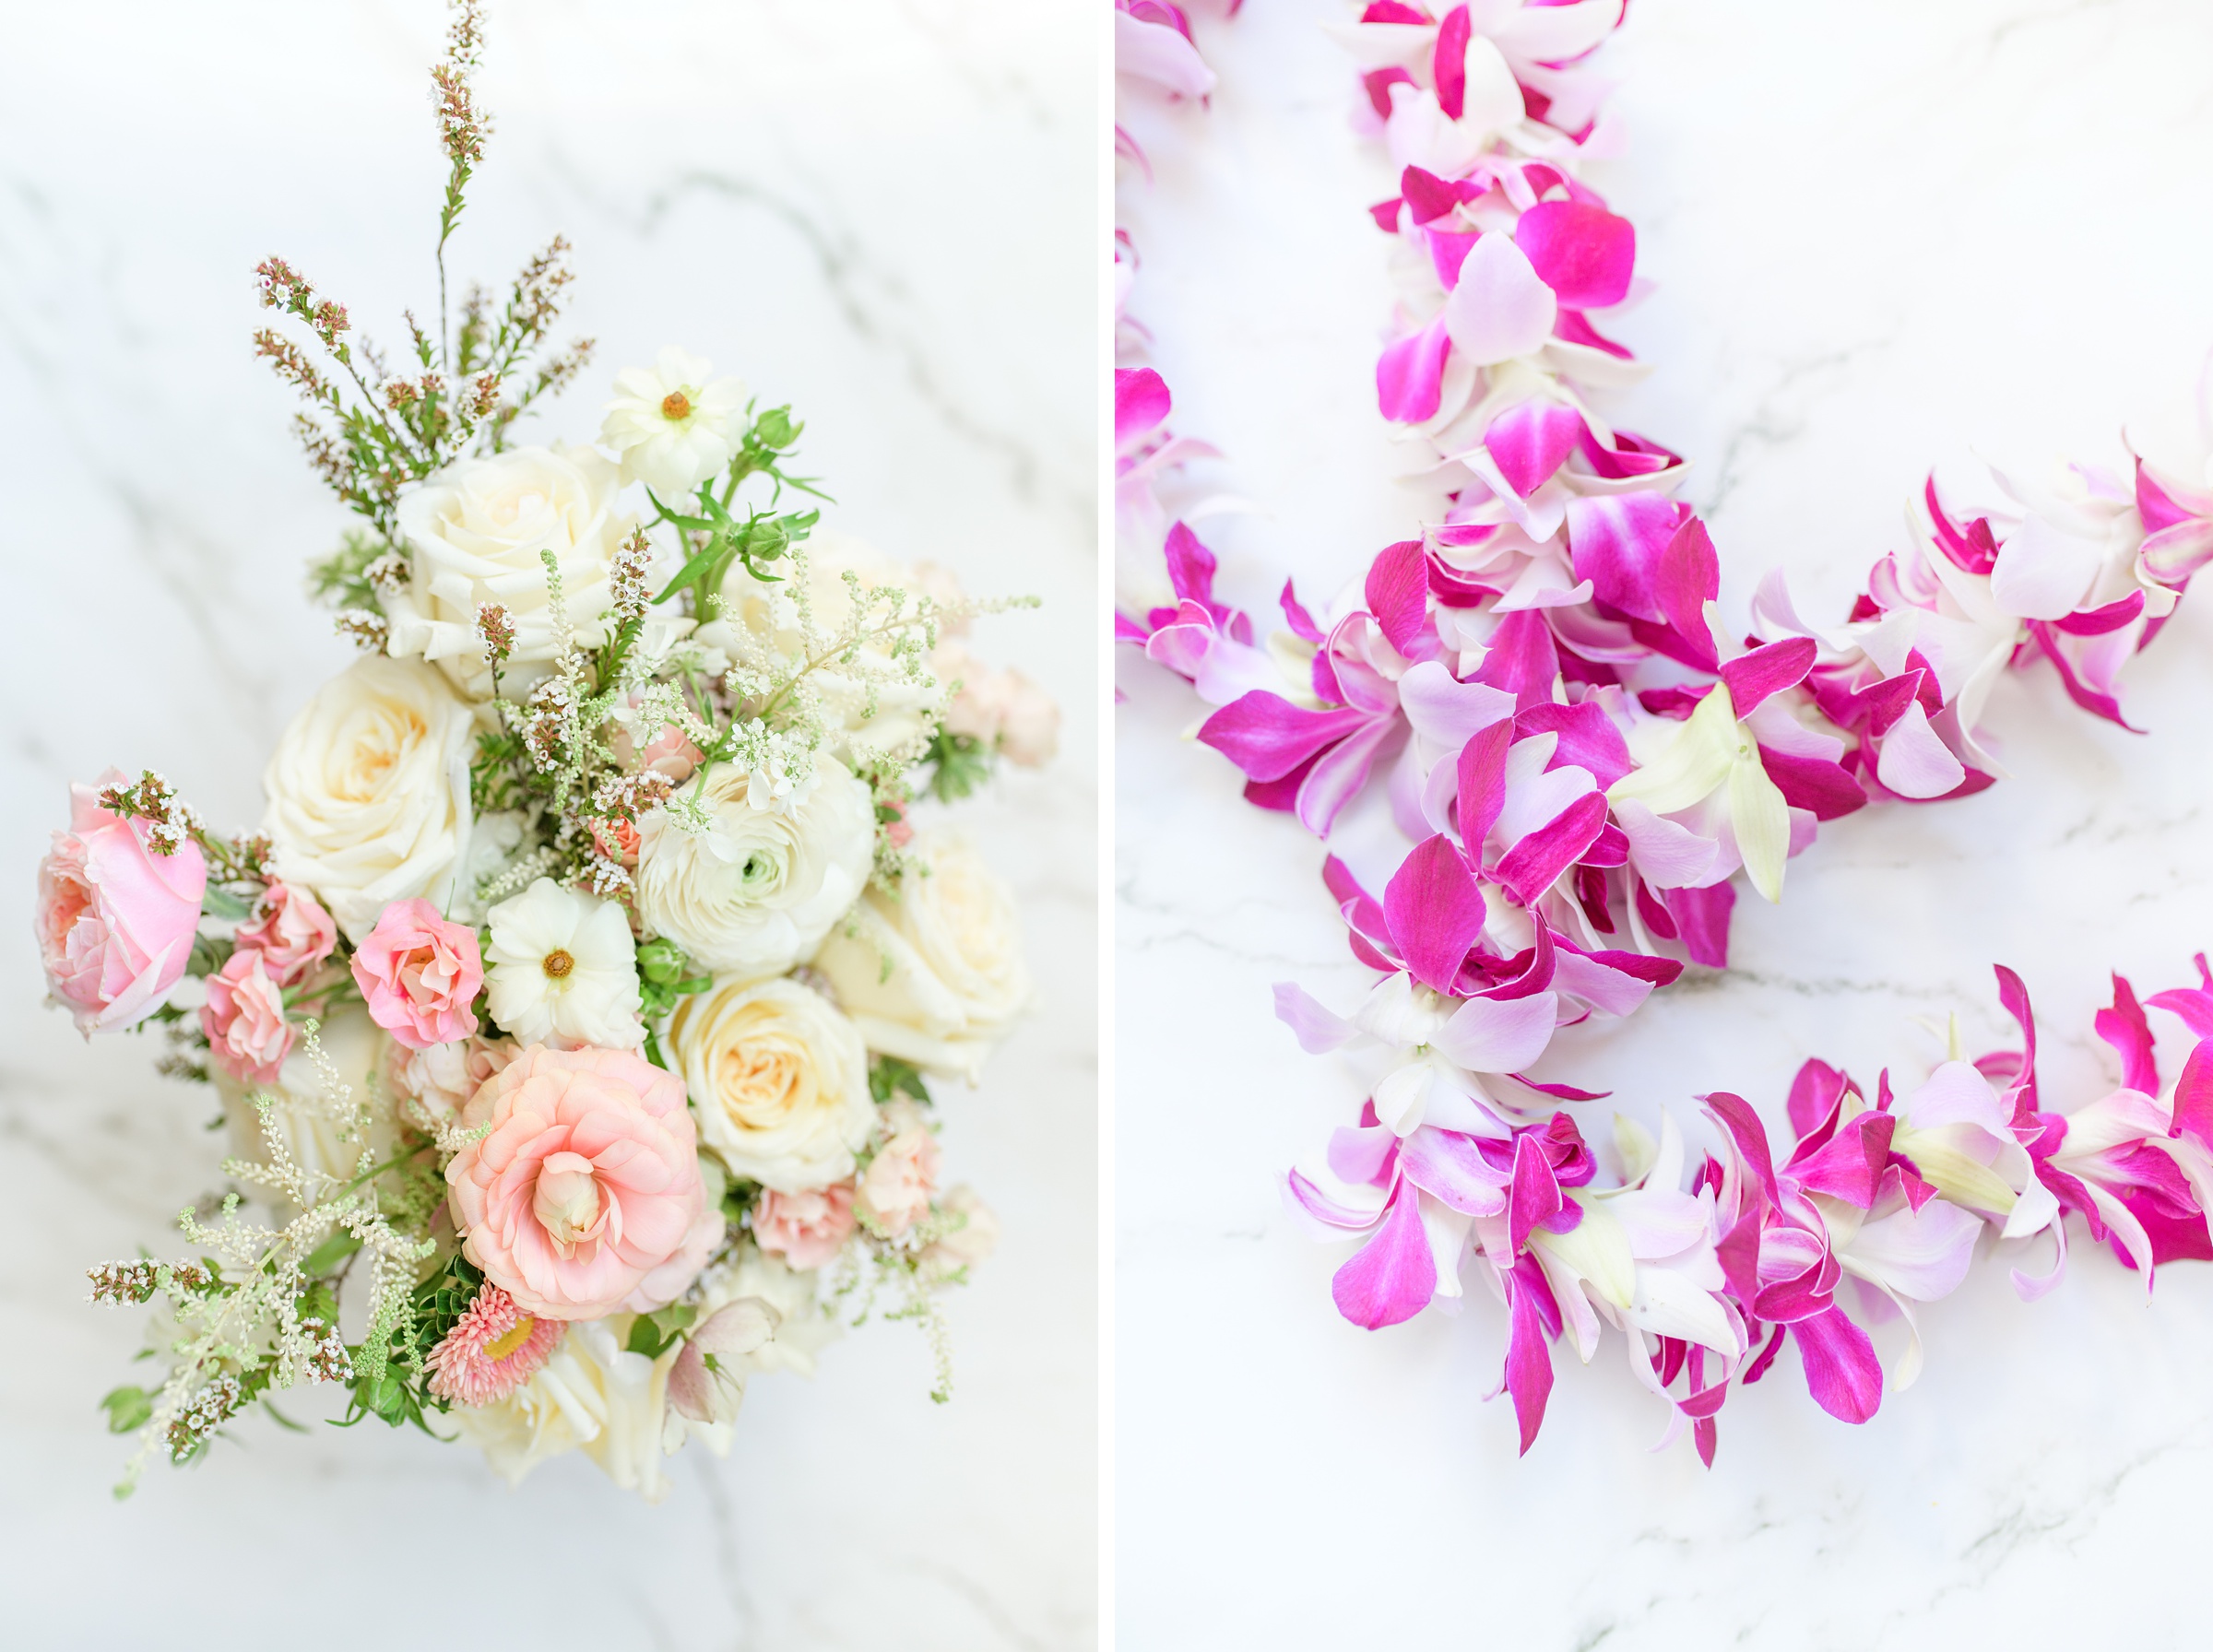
(1533, 727)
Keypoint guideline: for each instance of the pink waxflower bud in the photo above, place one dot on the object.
(291, 932)
(419, 973)
(114, 919)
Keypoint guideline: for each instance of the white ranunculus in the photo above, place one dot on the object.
(475, 533)
(561, 970)
(755, 894)
(313, 1131)
(933, 971)
(768, 610)
(593, 1395)
(672, 425)
(368, 791)
(779, 1082)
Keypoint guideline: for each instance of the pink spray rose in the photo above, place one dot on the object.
(805, 1229)
(585, 1195)
(894, 1191)
(443, 1076)
(420, 973)
(114, 920)
(243, 1018)
(291, 932)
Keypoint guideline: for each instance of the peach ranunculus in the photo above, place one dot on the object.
(805, 1229)
(894, 1190)
(419, 972)
(114, 919)
(243, 1018)
(291, 932)
(584, 1197)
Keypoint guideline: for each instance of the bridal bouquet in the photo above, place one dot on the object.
(571, 1008)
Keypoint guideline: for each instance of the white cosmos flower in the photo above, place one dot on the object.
(563, 970)
(672, 426)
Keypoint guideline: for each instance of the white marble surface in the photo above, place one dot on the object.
(1888, 234)
(883, 212)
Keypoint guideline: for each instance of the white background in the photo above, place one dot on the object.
(883, 212)
(1888, 235)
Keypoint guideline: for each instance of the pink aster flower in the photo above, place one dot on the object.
(493, 1350)
(244, 1018)
(291, 932)
(419, 973)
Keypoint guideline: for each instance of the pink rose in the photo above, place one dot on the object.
(805, 1229)
(894, 1190)
(1029, 729)
(585, 1197)
(420, 973)
(114, 920)
(442, 1077)
(243, 1018)
(291, 932)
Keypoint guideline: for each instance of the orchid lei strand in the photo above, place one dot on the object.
(1535, 728)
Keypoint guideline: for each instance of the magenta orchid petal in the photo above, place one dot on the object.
(1267, 736)
(1398, 592)
(1531, 865)
(1410, 374)
(1767, 670)
(1522, 659)
(1435, 910)
(2194, 1095)
(2124, 1028)
(1841, 1371)
(1587, 739)
(1537, 1198)
(1530, 441)
(1141, 404)
(1528, 1351)
(1584, 253)
(1615, 542)
(1483, 782)
(1703, 915)
(1392, 1278)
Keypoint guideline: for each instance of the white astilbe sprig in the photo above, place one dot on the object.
(241, 1329)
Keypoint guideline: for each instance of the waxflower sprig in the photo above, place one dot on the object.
(570, 1007)
(1540, 694)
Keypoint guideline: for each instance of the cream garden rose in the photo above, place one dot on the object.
(476, 532)
(779, 1082)
(756, 894)
(933, 973)
(368, 791)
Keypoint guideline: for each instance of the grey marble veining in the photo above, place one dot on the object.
(1887, 236)
(816, 197)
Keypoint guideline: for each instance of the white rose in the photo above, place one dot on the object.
(671, 425)
(474, 533)
(779, 1082)
(591, 1395)
(756, 894)
(313, 1132)
(369, 791)
(932, 973)
(768, 610)
(561, 970)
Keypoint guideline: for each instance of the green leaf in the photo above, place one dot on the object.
(888, 1076)
(329, 1254)
(652, 1334)
(220, 902)
(129, 1408)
